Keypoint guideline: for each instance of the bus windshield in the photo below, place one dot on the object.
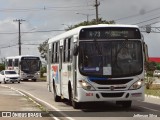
(116, 58)
(30, 65)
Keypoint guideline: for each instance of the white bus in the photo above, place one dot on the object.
(85, 65)
(27, 66)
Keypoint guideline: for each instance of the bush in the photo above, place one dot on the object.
(2, 67)
(42, 71)
(149, 82)
(149, 73)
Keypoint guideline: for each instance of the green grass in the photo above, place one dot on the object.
(154, 92)
(43, 78)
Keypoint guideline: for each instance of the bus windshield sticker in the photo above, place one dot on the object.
(107, 71)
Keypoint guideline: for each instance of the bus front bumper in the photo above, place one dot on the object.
(97, 96)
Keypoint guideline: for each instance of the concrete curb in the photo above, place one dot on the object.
(40, 102)
(152, 96)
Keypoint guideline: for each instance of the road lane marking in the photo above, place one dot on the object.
(149, 108)
(44, 102)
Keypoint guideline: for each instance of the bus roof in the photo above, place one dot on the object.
(76, 31)
(20, 56)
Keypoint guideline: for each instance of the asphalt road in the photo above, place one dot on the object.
(94, 111)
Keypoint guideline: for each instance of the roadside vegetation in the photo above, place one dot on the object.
(2, 66)
(43, 70)
(151, 88)
(154, 92)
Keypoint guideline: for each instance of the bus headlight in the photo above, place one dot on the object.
(85, 85)
(138, 84)
(22, 73)
(38, 73)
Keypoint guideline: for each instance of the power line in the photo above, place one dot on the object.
(33, 31)
(31, 44)
(147, 20)
(43, 8)
(152, 29)
(136, 15)
(8, 46)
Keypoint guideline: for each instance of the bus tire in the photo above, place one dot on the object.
(56, 97)
(5, 81)
(34, 80)
(75, 104)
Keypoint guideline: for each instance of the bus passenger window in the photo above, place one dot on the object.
(64, 51)
(52, 60)
(56, 52)
(69, 49)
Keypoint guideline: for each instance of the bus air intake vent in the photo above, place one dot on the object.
(112, 81)
(112, 94)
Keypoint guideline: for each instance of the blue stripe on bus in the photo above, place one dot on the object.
(97, 78)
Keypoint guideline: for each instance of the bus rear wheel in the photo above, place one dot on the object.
(56, 97)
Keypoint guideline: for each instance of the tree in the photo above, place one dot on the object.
(2, 66)
(150, 66)
(158, 66)
(43, 49)
(92, 22)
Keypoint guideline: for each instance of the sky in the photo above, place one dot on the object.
(43, 19)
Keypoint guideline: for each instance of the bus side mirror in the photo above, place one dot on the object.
(75, 50)
(146, 52)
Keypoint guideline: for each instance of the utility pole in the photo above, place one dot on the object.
(96, 5)
(19, 40)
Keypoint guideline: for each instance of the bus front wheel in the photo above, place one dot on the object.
(75, 104)
(5, 81)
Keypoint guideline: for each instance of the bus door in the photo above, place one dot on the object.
(75, 53)
(60, 68)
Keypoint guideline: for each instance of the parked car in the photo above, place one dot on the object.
(7, 76)
(156, 73)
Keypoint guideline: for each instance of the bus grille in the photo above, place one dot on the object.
(112, 82)
(112, 94)
(108, 88)
(13, 78)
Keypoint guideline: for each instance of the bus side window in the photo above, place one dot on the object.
(56, 52)
(10, 62)
(16, 63)
(64, 50)
(52, 60)
(69, 49)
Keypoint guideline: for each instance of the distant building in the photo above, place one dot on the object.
(154, 59)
